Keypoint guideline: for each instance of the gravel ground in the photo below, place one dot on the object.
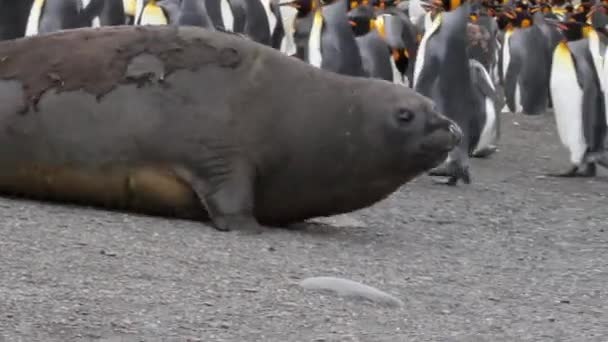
(513, 257)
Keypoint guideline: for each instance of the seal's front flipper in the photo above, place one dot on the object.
(586, 170)
(226, 189)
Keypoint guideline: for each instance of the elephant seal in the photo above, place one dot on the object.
(186, 122)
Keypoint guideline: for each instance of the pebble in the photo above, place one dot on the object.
(350, 289)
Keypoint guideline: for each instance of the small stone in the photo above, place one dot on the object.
(494, 299)
(108, 253)
(564, 301)
(551, 319)
(225, 325)
(9, 316)
(271, 249)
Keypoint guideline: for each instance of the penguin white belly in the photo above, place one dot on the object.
(604, 76)
(33, 21)
(488, 137)
(288, 45)
(272, 19)
(428, 21)
(518, 107)
(130, 7)
(397, 77)
(227, 15)
(139, 8)
(487, 140)
(567, 103)
(422, 48)
(315, 56)
(506, 54)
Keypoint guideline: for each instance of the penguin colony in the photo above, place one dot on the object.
(470, 57)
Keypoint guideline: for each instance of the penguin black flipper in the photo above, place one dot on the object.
(276, 37)
(594, 117)
(13, 18)
(535, 73)
(113, 13)
(255, 20)
(170, 9)
(375, 56)
(301, 34)
(527, 78)
(239, 13)
(511, 78)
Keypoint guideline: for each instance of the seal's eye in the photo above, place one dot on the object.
(405, 116)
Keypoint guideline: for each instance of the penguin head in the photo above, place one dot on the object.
(361, 19)
(436, 6)
(570, 29)
(384, 4)
(597, 17)
(303, 7)
(507, 19)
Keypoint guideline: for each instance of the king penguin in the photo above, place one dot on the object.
(442, 73)
(324, 37)
(525, 66)
(578, 102)
(53, 15)
(401, 36)
(375, 56)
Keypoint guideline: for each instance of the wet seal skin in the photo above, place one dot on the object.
(188, 123)
(101, 67)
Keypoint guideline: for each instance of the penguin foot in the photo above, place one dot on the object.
(587, 170)
(601, 158)
(453, 171)
(484, 152)
(440, 171)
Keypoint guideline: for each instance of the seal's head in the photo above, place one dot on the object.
(414, 136)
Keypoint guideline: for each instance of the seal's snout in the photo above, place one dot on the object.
(443, 134)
